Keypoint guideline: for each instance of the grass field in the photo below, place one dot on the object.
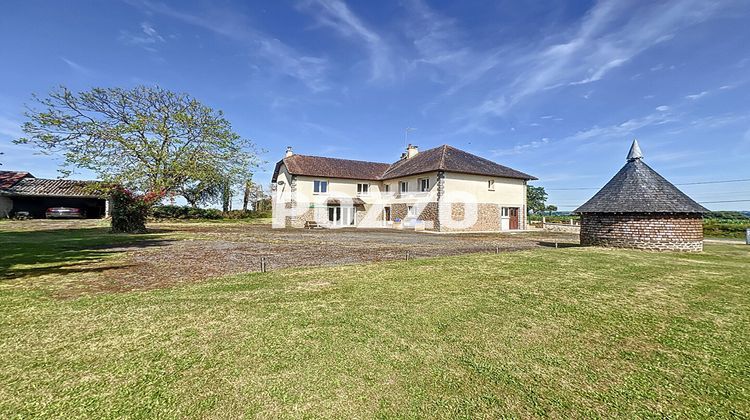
(571, 332)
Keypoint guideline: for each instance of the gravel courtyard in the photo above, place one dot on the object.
(188, 252)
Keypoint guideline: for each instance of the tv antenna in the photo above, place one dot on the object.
(406, 133)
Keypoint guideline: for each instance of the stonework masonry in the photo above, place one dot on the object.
(651, 231)
(488, 217)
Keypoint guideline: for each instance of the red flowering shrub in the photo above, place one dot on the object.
(129, 210)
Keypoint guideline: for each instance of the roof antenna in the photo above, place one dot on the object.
(635, 152)
(406, 134)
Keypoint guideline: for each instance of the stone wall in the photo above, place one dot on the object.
(488, 217)
(659, 232)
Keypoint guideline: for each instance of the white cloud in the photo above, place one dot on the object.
(624, 129)
(609, 36)
(78, 68)
(520, 148)
(146, 39)
(697, 95)
(337, 15)
(281, 58)
(662, 108)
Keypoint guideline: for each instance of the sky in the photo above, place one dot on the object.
(553, 88)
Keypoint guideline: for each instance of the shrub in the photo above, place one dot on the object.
(184, 212)
(129, 210)
(239, 214)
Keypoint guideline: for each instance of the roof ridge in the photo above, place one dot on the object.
(441, 165)
(335, 158)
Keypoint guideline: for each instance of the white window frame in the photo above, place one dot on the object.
(505, 212)
(423, 184)
(490, 185)
(387, 187)
(410, 212)
(403, 187)
(321, 182)
(363, 188)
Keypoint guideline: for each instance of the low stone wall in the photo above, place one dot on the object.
(653, 231)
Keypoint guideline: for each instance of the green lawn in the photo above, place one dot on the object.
(571, 332)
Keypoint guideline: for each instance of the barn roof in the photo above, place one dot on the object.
(442, 158)
(10, 178)
(31, 186)
(637, 188)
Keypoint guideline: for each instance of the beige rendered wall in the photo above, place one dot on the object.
(509, 192)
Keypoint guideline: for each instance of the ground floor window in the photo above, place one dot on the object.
(505, 212)
(342, 216)
(387, 214)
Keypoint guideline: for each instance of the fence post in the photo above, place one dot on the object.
(497, 250)
(262, 264)
(407, 255)
(747, 236)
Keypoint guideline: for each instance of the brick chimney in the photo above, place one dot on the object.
(411, 151)
(288, 151)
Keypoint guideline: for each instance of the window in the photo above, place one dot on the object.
(387, 188)
(363, 189)
(491, 185)
(403, 186)
(410, 211)
(387, 215)
(424, 184)
(320, 187)
(505, 212)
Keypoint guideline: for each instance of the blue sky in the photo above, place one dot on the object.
(555, 89)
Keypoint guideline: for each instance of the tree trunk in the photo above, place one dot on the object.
(246, 198)
(226, 197)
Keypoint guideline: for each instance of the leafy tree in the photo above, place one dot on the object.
(536, 198)
(146, 138)
(551, 208)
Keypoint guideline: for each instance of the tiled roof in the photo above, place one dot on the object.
(9, 178)
(330, 167)
(443, 158)
(639, 189)
(51, 187)
(449, 159)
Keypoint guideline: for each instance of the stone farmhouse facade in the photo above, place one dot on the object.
(443, 189)
(640, 209)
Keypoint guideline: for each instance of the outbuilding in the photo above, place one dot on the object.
(22, 192)
(640, 209)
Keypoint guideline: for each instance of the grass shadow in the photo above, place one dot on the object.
(68, 251)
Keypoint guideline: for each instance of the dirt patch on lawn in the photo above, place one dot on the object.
(201, 251)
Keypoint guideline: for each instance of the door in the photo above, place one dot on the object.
(387, 214)
(513, 218)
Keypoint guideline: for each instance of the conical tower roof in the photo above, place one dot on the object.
(639, 189)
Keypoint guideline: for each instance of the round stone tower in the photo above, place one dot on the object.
(638, 208)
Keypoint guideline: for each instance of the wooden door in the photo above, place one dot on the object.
(513, 213)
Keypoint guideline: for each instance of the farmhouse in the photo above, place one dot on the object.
(22, 192)
(638, 208)
(442, 189)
